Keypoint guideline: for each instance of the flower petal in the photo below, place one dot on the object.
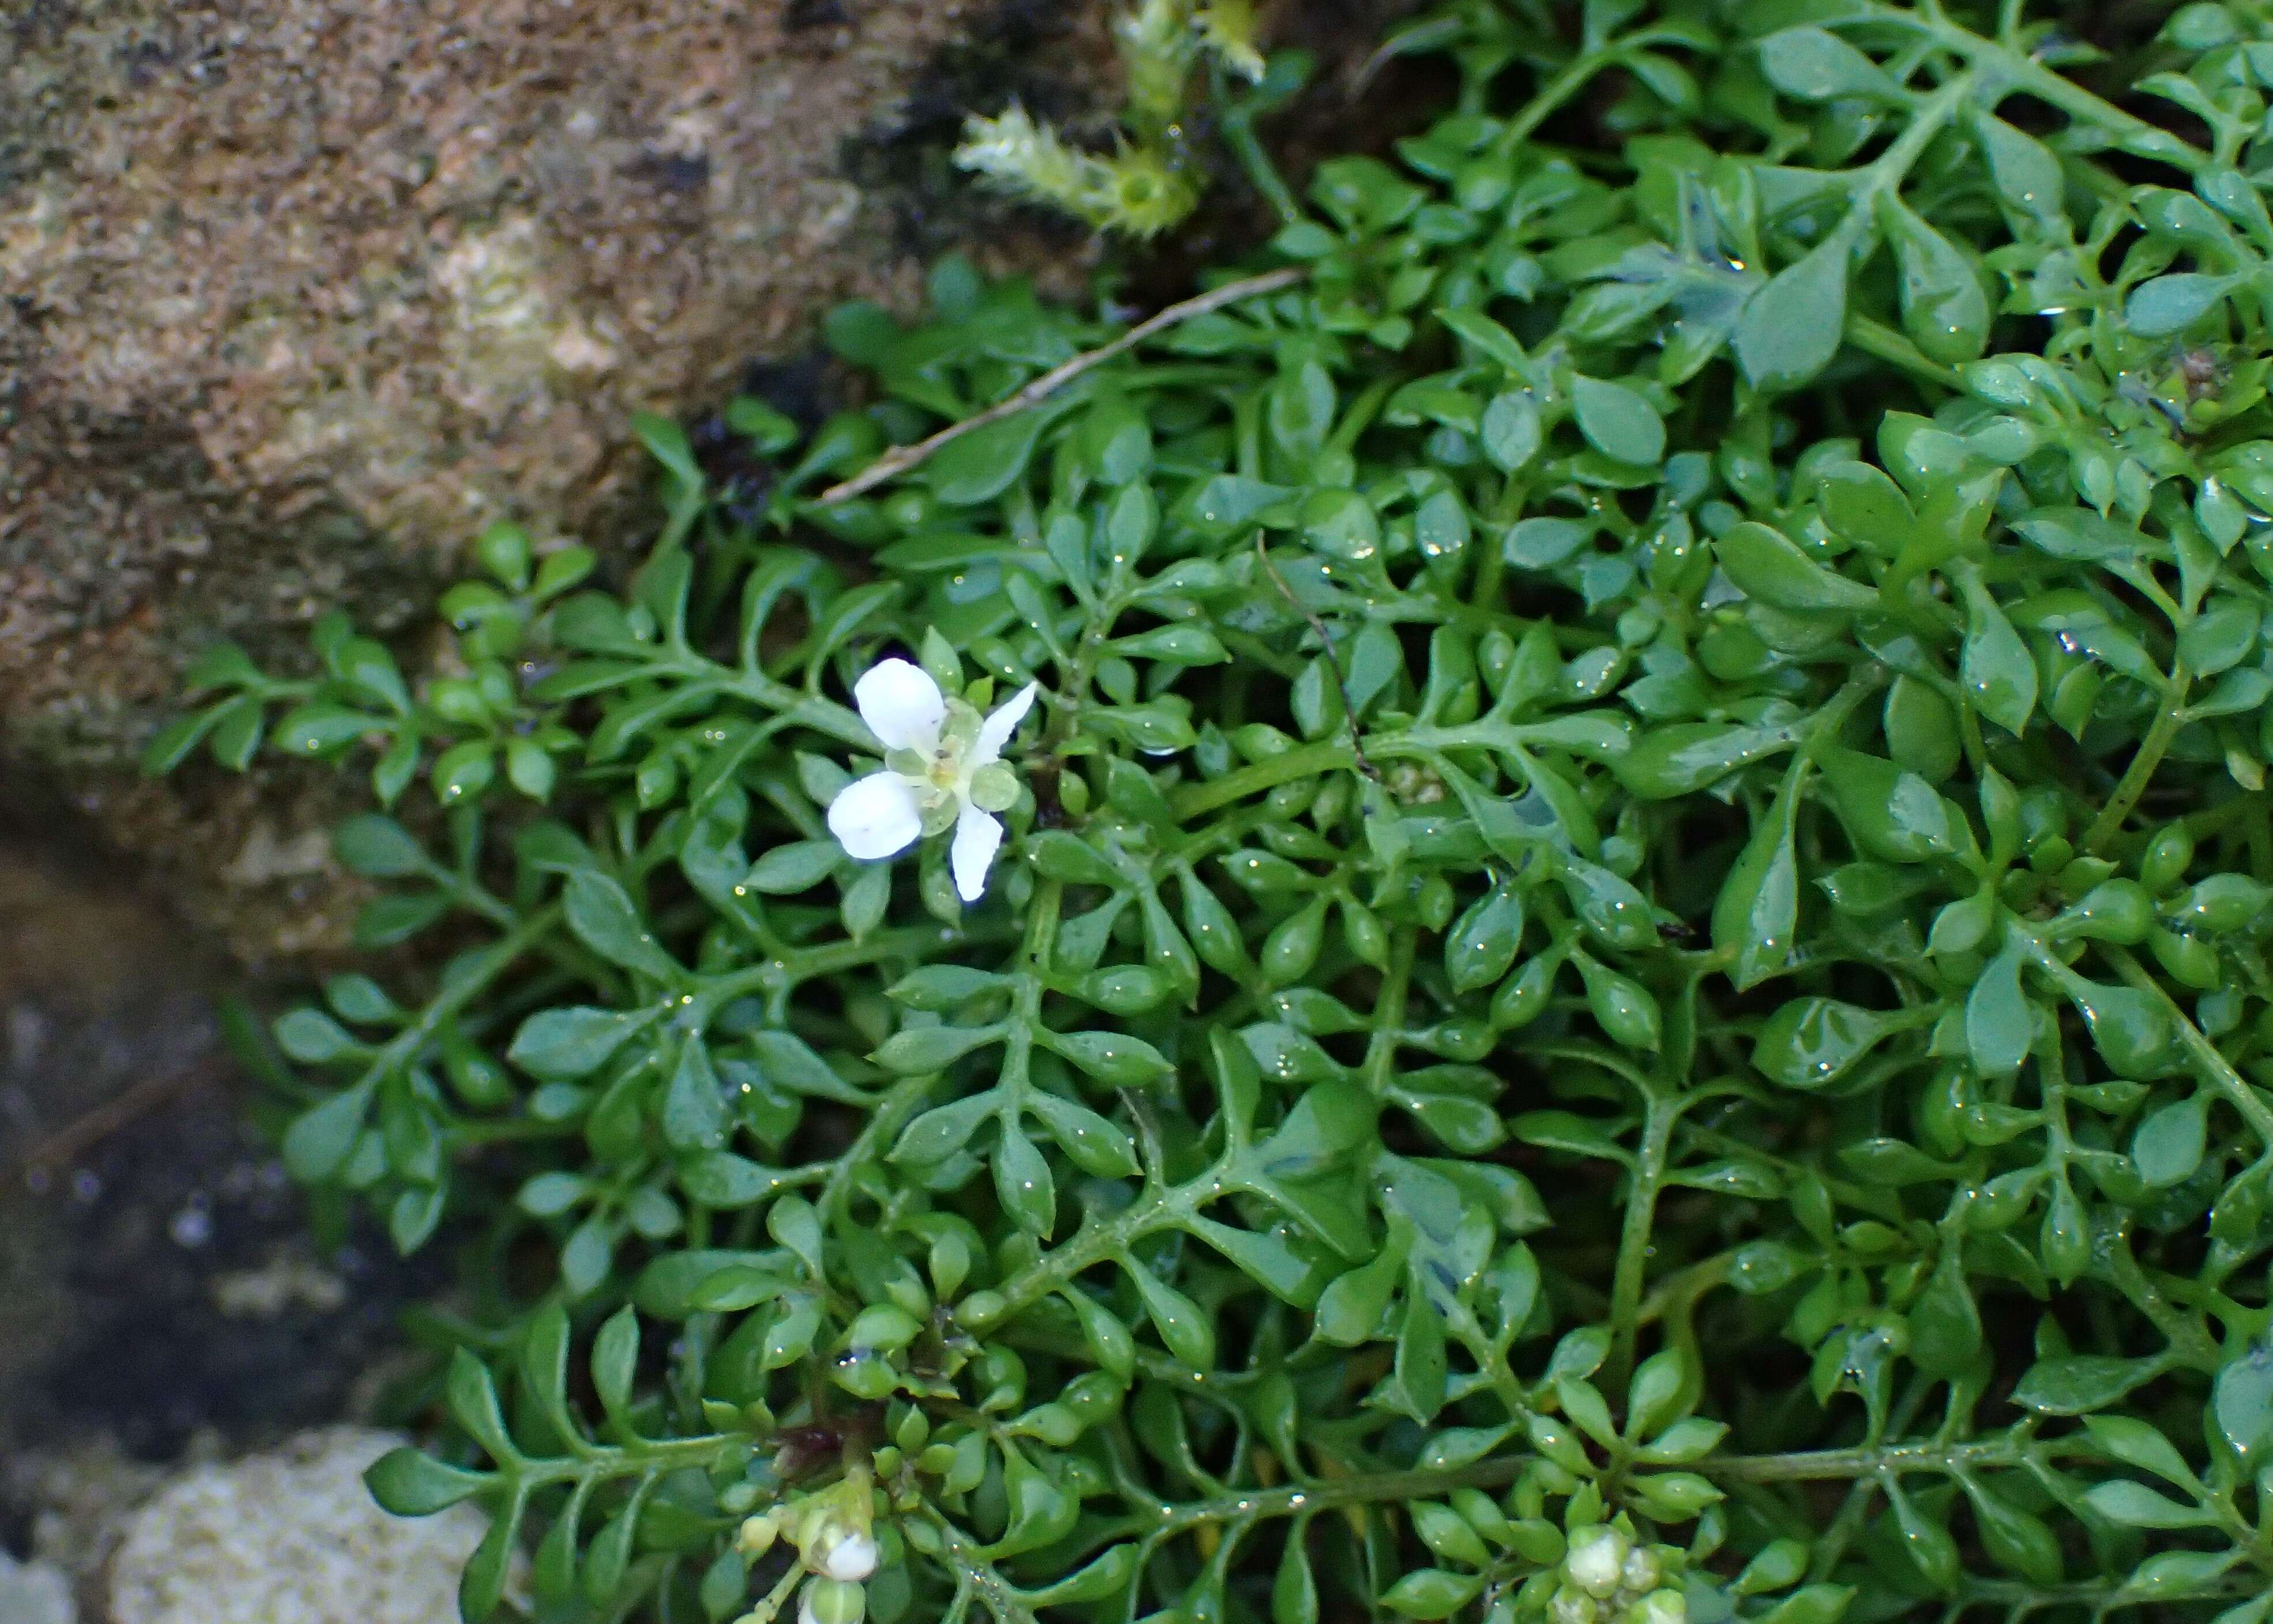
(876, 817)
(978, 837)
(996, 731)
(901, 705)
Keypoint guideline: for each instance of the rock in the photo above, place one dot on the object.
(34, 1593)
(290, 1537)
(301, 293)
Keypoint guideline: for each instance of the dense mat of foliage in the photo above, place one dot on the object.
(1627, 979)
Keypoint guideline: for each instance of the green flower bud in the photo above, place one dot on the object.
(831, 1601)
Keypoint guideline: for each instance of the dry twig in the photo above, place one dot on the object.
(892, 463)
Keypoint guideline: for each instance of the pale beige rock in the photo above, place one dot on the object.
(290, 1537)
(34, 1593)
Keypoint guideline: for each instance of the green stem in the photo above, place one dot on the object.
(1325, 1494)
(2136, 777)
(1627, 1282)
(1820, 1465)
(1307, 761)
(1876, 338)
(2020, 71)
(2213, 1067)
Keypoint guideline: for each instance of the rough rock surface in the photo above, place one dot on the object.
(290, 1537)
(295, 294)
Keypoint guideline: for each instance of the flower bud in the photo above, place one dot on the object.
(831, 1601)
(1571, 1606)
(1641, 1571)
(851, 1557)
(1596, 1560)
(757, 1535)
(1659, 1607)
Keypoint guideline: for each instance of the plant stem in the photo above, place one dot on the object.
(2149, 757)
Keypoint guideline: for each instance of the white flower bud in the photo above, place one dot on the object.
(1596, 1559)
(1642, 1570)
(850, 1556)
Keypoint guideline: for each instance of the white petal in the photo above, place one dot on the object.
(851, 1559)
(996, 731)
(876, 817)
(901, 705)
(978, 837)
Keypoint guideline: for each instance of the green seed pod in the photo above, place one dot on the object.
(2119, 911)
(1523, 997)
(1623, 1007)
(2188, 959)
(1291, 947)
(2165, 859)
(1364, 935)
(2218, 904)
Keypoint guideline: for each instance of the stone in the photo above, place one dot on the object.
(34, 1593)
(300, 294)
(296, 295)
(290, 1537)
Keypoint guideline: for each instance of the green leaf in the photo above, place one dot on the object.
(694, 1108)
(1945, 1323)
(1618, 421)
(1183, 1329)
(1995, 666)
(2172, 303)
(2078, 1383)
(2242, 1402)
(1944, 310)
(321, 1137)
(1814, 64)
(2168, 1145)
(981, 465)
(1997, 1021)
(377, 847)
(601, 914)
(2137, 1506)
(615, 1360)
(1114, 1059)
(409, 1482)
(1792, 326)
(918, 1049)
(564, 1044)
(799, 866)
(1756, 913)
(1766, 565)
(1812, 1042)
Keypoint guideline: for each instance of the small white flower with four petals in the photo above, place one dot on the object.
(944, 768)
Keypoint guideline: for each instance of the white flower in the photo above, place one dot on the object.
(851, 1555)
(943, 768)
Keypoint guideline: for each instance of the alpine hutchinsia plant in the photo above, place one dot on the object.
(1554, 911)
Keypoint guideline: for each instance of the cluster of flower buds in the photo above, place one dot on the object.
(834, 1533)
(1608, 1579)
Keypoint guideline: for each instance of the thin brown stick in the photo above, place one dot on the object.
(892, 463)
(85, 1131)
